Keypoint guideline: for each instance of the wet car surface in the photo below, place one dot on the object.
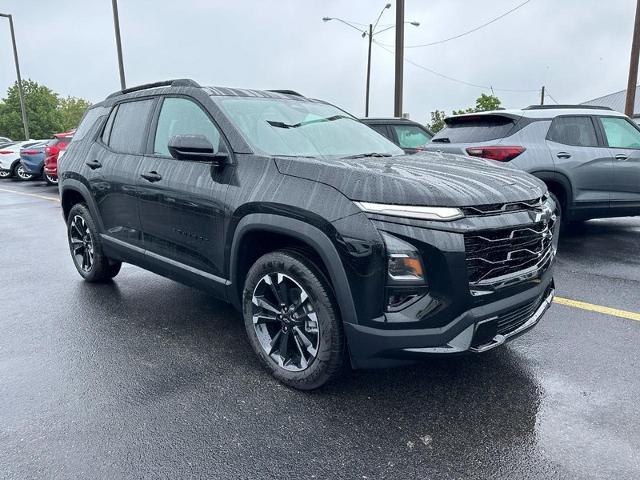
(144, 377)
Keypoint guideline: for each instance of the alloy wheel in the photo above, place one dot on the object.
(51, 179)
(5, 173)
(22, 173)
(82, 247)
(285, 322)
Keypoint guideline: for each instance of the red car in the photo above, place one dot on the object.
(51, 153)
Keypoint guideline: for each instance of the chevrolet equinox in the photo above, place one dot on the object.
(336, 246)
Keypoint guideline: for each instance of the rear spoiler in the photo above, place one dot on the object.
(470, 117)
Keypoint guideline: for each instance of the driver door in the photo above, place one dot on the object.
(623, 140)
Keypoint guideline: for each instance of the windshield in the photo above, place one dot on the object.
(299, 128)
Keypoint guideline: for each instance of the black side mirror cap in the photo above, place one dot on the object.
(195, 148)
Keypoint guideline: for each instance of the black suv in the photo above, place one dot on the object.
(333, 243)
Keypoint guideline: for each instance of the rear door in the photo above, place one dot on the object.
(111, 167)
(582, 158)
(181, 201)
(623, 141)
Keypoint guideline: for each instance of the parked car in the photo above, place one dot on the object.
(333, 243)
(408, 135)
(589, 157)
(51, 153)
(32, 161)
(10, 159)
(5, 140)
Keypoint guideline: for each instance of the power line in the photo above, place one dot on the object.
(464, 82)
(546, 92)
(475, 29)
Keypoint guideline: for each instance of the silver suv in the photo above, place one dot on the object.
(589, 157)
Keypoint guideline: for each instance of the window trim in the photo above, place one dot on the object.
(113, 110)
(153, 128)
(596, 131)
(605, 141)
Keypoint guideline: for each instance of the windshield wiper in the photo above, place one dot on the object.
(441, 140)
(366, 155)
(308, 122)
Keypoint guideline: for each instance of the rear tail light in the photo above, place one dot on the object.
(499, 153)
(53, 150)
(5, 152)
(30, 152)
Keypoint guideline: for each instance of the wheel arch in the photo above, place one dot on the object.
(73, 192)
(266, 227)
(559, 184)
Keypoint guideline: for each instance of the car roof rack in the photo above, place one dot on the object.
(179, 82)
(555, 107)
(287, 92)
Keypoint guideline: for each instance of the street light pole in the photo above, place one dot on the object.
(366, 107)
(116, 25)
(25, 123)
(633, 66)
(397, 104)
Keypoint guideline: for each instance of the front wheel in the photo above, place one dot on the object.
(292, 320)
(5, 173)
(20, 173)
(86, 248)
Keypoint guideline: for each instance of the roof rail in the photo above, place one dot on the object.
(180, 82)
(554, 107)
(287, 92)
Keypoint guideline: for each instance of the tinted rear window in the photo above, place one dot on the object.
(475, 129)
(129, 125)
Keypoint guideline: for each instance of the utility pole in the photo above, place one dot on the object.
(397, 104)
(633, 66)
(25, 123)
(542, 94)
(366, 106)
(116, 25)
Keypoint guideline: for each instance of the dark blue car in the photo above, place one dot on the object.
(32, 160)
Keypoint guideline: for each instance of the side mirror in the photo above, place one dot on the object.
(195, 148)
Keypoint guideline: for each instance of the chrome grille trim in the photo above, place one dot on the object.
(499, 208)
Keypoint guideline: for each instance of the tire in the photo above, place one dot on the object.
(86, 247)
(310, 332)
(5, 173)
(51, 180)
(19, 172)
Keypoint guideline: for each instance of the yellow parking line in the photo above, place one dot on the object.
(598, 308)
(53, 199)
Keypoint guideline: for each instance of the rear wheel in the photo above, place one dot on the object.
(86, 247)
(5, 173)
(20, 173)
(50, 179)
(292, 320)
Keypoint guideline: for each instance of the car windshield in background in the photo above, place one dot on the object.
(301, 128)
(480, 128)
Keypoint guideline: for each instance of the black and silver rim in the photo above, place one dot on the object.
(21, 172)
(81, 243)
(51, 178)
(4, 173)
(285, 322)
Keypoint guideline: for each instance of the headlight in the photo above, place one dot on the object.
(406, 280)
(440, 214)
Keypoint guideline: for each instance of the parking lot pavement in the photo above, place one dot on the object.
(146, 378)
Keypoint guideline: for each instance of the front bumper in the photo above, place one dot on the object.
(377, 347)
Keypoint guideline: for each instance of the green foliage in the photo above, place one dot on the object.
(483, 103)
(47, 113)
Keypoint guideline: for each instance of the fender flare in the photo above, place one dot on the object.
(561, 178)
(312, 236)
(72, 185)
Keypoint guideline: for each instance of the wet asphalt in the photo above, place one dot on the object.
(146, 378)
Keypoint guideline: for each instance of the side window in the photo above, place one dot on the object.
(381, 129)
(129, 125)
(576, 131)
(88, 121)
(180, 116)
(620, 133)
(410, 136)
(107, 128)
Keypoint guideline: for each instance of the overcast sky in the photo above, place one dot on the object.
(579, 49)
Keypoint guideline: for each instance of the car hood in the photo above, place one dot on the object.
(426, 178)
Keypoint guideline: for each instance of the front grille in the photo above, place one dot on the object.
(493, 254)
(500, 208)
(514, 319)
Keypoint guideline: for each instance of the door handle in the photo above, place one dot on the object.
(563, 155)
(93, 164)
(152, 176)
(622, 157)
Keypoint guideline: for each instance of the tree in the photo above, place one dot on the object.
(70, 112)
(483, 103)
(46, 112)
